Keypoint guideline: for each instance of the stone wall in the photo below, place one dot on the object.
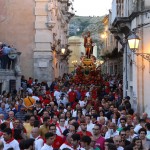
(33, 27)
(17, 29)
(9, 82)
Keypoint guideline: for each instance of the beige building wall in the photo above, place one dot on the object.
(17, 29)
(76, 45)
(137, 68)
(38, 29)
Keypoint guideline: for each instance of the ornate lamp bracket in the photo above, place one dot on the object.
(144, 55)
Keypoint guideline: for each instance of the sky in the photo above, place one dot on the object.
(92, 7)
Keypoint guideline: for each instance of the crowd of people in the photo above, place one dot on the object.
(70, 115)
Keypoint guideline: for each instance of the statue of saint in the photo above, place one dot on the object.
(88, 44)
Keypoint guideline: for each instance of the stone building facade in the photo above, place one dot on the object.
(111, 50)
(76, 45)
(130, 16)
(37, 29)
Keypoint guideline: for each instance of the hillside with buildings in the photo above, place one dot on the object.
(79, 25)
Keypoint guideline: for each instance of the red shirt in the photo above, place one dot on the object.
(30, 81)
(45, 101)
(58, 142)
(107, 84)
(56, 113)
(107, 90)
(72, 96)
(94, 93)
(87, 133)
(83, 92)
(100, 143)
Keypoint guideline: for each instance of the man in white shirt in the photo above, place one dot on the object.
(50, 137)
(89, 123)
(60, 128)
(62, 99)
(57, 94)
(9, 141)
(83, 104)
(11, 119)
(39, 142)
(111, 131)
(139, 126)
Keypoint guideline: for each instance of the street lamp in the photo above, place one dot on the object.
(103, 36)
(63, 50)
(133, 42)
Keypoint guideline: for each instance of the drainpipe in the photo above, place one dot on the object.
(141, 98)
(142, 47)
(126, 65)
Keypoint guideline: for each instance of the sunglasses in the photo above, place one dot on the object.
(123, 134)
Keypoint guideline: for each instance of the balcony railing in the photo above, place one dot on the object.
(10, 63)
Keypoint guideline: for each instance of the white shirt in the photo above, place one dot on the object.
(74, 113)
(64, 145)
(137, 128)
(60, 130)
(66, 122)
(11, 125)
(13, 144)
(57, 94)
(64, 101)
(30, 90)
(120, 148)
(148, 135)
(110, 133)
(38, 143)
(47, 147)
(36, 98)
(87, 94)
(67, 146)
(80, 148)
(7, 107)
(2, 121)
(82, 103)
(90, 127)
(130, 138)
(106, 119)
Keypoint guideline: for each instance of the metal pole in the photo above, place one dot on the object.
(126, 75)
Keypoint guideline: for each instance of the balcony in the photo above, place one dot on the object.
(106, 51)
(9, 64)
(110, 48)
